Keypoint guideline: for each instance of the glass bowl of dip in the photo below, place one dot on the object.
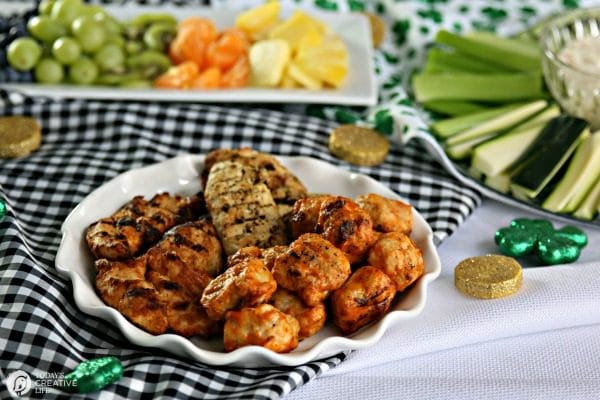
(571, 63)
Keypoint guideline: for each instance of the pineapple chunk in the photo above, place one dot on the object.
(296, 28)
(299, 75)
(287, 82)
(268, 59)
(258, 21)
(326, 61)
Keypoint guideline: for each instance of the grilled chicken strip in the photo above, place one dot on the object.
(284, 186)
(242, 209)
(160, 290)
(139, 224)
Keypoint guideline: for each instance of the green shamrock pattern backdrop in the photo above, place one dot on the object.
(410, 27)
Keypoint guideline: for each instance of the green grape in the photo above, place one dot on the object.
(109, 57)
(88, 33)
(66, 50)
(91, 10)
(49, 71)
(83, 71)
(110, 25)
(45, 7)
(45, 29)
(117, 40)
(66, 11)
(23, 53)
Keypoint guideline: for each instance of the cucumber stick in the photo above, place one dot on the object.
(544, 158)
(496, 87)
(500, 182)
(496, 156)
(591, 204)
(508, 53)
(465, 148)
(451, 126)
(582, 173)
(499, 123)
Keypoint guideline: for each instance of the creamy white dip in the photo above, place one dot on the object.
(582, 54)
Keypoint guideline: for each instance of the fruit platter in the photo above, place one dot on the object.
(73, 49)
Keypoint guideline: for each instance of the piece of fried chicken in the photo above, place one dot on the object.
(310, 318)
(261, 326)
(246, 283)
(388, 215)
(160, 290)
(139, 224)
(365, 297)
(399, 257)
(311, 267)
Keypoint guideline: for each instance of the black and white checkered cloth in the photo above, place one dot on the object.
(87, 143)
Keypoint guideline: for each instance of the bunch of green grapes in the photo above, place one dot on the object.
(73, 42)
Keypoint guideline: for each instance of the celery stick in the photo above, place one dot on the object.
(457, 61)
(451, 126)
(591, 204)
(498, 52)
(499, 123)
(527, 48)
(453, 108)
(478, 87)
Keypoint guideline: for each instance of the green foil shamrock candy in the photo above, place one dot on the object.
(93, 375)
(2, 209)
(538, 237)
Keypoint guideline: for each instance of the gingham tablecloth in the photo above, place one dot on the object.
(87, 143)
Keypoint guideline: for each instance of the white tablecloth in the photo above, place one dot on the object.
(541, 343)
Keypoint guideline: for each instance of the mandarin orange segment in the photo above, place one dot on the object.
(178, 77)
(238, 75)
(225, 51)
(194, 35)
(210, 78)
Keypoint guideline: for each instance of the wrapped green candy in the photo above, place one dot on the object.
(2, 209)
(538, 237)
(93, 375)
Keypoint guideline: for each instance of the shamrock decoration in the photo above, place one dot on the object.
(537, 236)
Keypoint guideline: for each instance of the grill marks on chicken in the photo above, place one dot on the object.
(160, 290)
(242, 208)
(284, 186)
(139, 224)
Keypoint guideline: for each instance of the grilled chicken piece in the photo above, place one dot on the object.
(399, 257)
(311, 319)
(139, 224)
(388, 215)
(311, 267)
(284, 186)
(123, 285)
(268, 255)
(245, 284)
(364, 298)
(262, 326)
(160, 290)
(241, 208)
(305, 214)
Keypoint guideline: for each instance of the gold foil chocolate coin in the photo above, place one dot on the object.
(488, 277)
(377, 29)
(19, 136)
(358, 145)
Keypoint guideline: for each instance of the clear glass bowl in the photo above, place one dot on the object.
(575, 89)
